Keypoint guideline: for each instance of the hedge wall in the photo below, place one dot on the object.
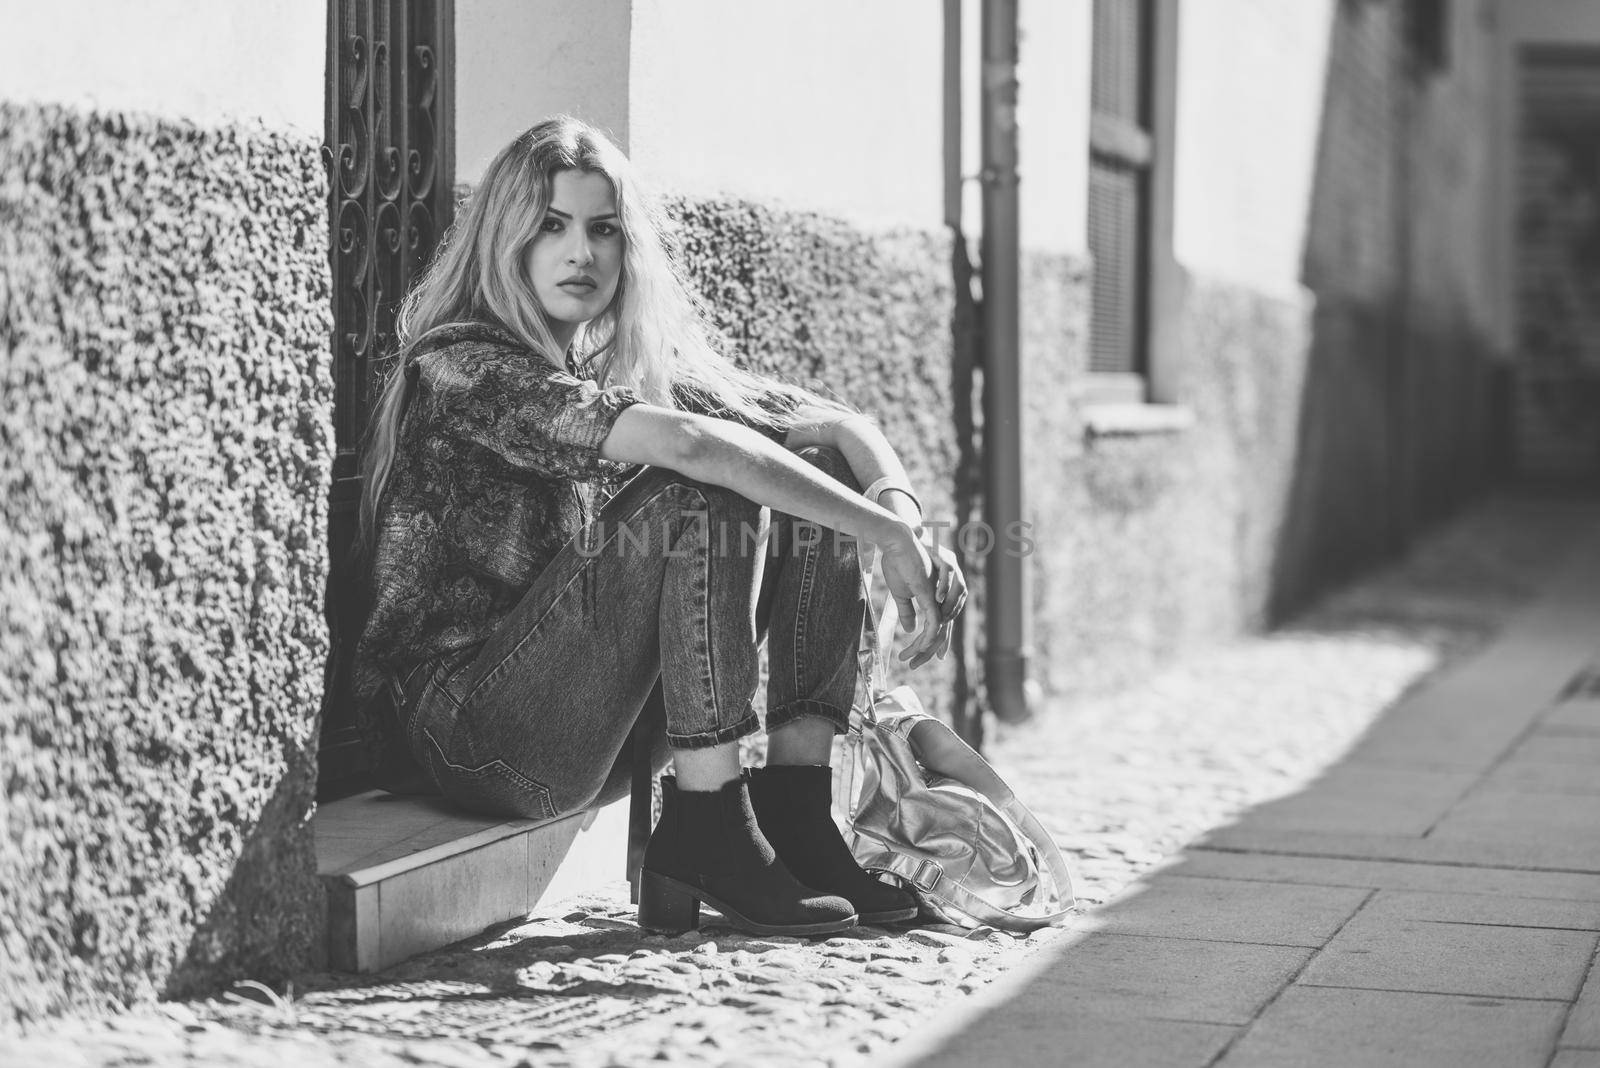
(164, 460)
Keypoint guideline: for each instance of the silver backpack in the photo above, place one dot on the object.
(922, 805)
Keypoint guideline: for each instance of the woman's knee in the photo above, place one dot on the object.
(832, 462)
(661, 502)
(688, 495)
(726, 504)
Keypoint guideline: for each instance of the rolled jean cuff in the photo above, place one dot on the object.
(805, 706)
(706, 739)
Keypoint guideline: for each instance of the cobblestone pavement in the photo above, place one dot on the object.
(1122, 781)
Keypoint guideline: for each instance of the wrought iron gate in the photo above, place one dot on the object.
(390, 154)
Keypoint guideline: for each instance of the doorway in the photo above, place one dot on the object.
(389, 151)
(1556, 419)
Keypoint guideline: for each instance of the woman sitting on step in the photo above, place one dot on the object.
(531, 584)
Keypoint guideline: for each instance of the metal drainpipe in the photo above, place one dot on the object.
(1006, 605)
(967, 717)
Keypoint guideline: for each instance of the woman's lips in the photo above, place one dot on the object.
(578, 287)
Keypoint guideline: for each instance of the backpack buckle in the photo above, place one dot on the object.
(927, 875)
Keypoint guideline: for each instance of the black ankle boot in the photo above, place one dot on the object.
(707, 847)
(793, 803)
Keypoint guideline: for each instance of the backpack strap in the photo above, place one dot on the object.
(877, 640)
(877, 635)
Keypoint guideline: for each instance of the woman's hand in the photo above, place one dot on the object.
(950, 583)
(950, 593)
(929, 590)
(908, 572)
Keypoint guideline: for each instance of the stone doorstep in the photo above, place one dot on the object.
(405, 875)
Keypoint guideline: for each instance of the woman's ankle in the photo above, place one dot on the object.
(706, 770)
(806, 740)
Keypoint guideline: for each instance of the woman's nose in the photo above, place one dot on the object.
(579, 253)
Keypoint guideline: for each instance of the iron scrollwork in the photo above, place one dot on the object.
(388, 157)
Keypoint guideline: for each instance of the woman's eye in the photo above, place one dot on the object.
(605, 229)
(550, 226)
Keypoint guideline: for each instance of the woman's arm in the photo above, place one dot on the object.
(872, 458)
(724, 453)
(874, 463)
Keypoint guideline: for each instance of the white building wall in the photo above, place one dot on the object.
(518, 61)
(209, 62)
(1052, 122)
(1251, 75)
(837, 107)
(712, 107)
(829, 105)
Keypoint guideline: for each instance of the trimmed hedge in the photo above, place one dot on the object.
(164, 463)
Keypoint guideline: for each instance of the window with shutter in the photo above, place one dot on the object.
(1130, 196)
(1119, 164)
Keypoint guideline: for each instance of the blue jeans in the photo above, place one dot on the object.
(670, 585)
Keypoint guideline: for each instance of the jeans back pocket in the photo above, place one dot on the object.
(493, 787)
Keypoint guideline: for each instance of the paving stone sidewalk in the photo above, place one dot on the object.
(1124, 782)
(1432, 898)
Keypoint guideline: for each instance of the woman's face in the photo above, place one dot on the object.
(576, 257)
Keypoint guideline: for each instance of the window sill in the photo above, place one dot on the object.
(1126, 420)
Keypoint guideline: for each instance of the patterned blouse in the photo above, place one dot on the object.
(498, 467)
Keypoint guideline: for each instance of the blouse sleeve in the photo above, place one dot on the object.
(530, 413)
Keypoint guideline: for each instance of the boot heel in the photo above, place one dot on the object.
(665, 907)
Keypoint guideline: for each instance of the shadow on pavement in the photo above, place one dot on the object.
(1433, 897)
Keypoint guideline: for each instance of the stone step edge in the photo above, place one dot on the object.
(445, 850)
(560, 860)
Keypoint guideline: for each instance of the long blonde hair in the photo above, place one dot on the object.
(652, 337)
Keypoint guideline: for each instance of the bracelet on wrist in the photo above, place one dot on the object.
(883, 485)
